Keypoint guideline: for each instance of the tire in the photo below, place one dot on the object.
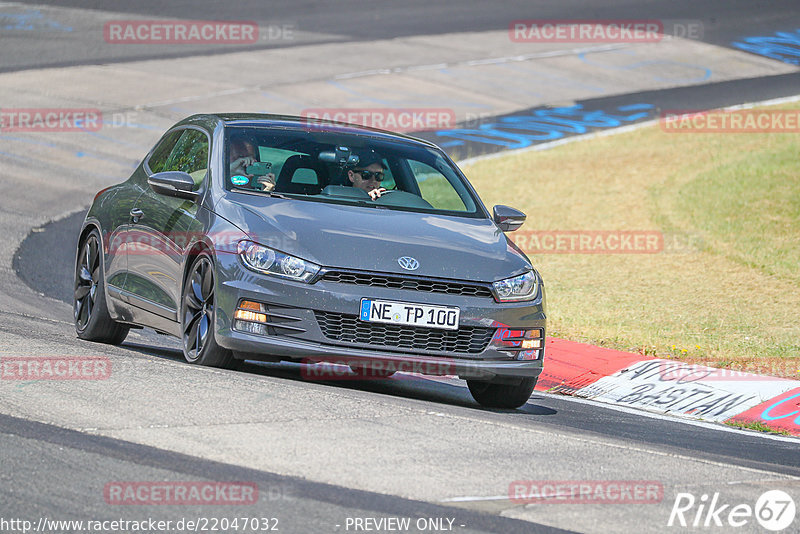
(198, 314)
(502, 395)
(90, 311)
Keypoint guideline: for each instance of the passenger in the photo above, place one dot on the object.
(369, 174)
(243, 154)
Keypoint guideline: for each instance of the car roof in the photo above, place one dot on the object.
(255, 120)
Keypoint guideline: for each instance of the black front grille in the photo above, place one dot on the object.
(349, 329)
(450, 287)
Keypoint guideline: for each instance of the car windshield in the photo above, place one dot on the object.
(336, 167)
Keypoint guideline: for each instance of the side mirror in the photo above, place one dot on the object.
(508, 219)
(173, 184)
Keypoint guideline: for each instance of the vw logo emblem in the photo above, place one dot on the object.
(408, 263)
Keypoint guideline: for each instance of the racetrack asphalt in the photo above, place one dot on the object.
(72, 37)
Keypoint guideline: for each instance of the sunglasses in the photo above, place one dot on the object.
(371, 175)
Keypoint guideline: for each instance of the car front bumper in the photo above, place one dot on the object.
(299, 309)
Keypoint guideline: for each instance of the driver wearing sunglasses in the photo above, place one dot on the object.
(368, 175)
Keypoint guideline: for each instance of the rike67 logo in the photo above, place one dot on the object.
(774, 510)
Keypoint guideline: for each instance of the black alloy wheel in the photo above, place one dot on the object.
(92, 319)
(198, 310)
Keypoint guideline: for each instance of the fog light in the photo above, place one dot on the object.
(531, 343)
(248, 311)
(528, 355)
(246, 315)
(252, 328)
(250, 316)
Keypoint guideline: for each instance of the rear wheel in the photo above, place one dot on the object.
(92, 320)
(198, 312)
(502, 395)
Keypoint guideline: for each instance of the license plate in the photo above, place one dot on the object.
(384, 311)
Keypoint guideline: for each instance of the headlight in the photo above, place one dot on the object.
(522, 287)
(265, 260)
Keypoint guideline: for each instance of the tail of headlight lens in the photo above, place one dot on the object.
(522, 287)
(268, 261)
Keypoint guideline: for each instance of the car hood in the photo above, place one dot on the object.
(373, 239)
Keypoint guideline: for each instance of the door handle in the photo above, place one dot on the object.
(136, 214)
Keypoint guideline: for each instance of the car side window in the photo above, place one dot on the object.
(162, 151)
(190, 155)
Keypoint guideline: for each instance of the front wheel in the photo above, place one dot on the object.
(198, 311)
(502, 395)
(92, 320)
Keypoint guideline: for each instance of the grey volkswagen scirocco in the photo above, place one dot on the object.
(266, 237)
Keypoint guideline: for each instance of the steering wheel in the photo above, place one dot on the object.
(404, 198)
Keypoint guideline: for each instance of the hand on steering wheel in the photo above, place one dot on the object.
(375, 194)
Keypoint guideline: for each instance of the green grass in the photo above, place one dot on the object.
(756, 425)
(726, 289)
(757, 199)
